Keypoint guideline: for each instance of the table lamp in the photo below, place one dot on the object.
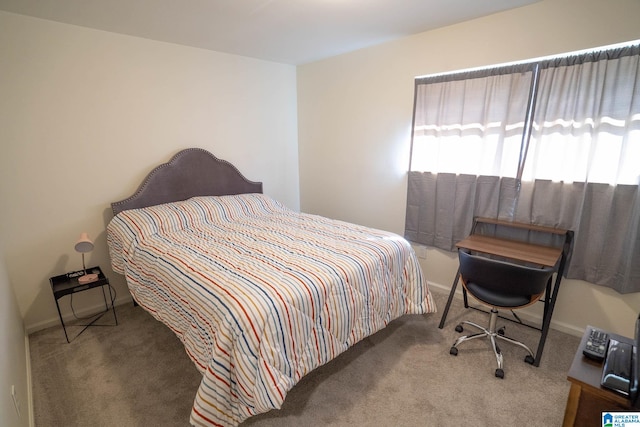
(84, 245)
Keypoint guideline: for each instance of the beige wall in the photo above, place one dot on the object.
(13, 357)
(86, 114)
(354, 118)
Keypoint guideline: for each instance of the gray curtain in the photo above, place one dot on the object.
(604, 218)
(586, 107)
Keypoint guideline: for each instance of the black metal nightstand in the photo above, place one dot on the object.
(68, 283)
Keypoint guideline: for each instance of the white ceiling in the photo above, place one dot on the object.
(286, 31)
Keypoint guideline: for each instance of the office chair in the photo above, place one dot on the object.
(499, 285)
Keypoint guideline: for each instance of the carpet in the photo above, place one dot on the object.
(137, 374)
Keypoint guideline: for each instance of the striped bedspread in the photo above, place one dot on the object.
(261, 295)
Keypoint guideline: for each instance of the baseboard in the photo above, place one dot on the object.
(50, 323)
(27, 350)
(83, 312)
(529, 317)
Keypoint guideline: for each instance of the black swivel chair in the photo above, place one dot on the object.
(499, 285)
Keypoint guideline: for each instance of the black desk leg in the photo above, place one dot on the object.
(451, 294)
(64, 328)
(549, 304)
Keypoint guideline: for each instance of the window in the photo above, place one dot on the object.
(470, 125)
(553, 142)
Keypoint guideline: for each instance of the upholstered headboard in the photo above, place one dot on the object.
(190, 173)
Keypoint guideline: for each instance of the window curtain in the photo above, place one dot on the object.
(482, 116)
(565, 153)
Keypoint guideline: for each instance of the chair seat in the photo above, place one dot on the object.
(501, 285)
(497, 299)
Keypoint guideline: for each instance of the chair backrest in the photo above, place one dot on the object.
(503, 277)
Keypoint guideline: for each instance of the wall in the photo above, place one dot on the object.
(86, 114)
(354, 118)
(13, 357)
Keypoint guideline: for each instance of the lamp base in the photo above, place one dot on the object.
(88, 278)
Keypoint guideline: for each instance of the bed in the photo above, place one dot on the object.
(258, 294)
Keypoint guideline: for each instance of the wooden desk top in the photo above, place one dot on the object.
(546, 256)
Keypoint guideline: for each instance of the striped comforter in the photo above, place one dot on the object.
(260, 295)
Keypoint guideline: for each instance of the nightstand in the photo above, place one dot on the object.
(68, 284)
(587, 398)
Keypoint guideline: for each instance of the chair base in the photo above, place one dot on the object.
(493, 337)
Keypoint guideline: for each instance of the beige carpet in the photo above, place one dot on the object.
(137, 374)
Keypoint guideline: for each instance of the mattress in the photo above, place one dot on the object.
(259, 294)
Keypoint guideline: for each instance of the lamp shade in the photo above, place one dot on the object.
(84, 244)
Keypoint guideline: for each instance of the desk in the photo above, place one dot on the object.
(544, 256)
(587, 398)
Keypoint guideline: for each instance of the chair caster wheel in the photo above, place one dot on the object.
(453, 351)
(501, 331)
(499, 373)
(529, 359)
(459, 328)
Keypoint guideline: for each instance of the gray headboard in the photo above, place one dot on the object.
(190, 173)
